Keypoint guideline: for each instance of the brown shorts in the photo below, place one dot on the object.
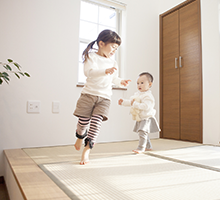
(88, 105)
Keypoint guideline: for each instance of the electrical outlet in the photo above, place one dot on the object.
(33, 106)
(56, 107)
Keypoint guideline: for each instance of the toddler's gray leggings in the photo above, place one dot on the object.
(144, 141)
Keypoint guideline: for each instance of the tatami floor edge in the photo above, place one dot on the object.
(32, 182)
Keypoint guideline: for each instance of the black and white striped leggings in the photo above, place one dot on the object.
(94, 124)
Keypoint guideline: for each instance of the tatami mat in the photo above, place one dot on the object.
(132, 177)
(42, 155)
(201, 156)
(115, 173)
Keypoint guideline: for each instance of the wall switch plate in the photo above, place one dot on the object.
(33, 106)
(56, 107)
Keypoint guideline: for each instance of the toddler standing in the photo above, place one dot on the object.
(142, 109)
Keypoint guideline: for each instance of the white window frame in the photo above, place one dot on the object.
(118, 7)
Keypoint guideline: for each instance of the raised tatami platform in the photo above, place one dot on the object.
(26, 180)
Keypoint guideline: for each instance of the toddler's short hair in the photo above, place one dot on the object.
(148, 75)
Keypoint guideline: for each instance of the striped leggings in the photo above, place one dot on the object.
(94, 124)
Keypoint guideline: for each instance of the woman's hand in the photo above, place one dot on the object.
(132, 101)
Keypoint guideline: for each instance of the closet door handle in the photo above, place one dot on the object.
(180, 61)
(176, 63)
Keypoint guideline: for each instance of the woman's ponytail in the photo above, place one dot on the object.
(85, 54)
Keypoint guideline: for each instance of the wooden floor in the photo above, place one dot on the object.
(34, 184)
(32, 181)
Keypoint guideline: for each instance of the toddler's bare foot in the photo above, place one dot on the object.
(85, 162)
(85, 155)
(137, 151)
(148, 149)
(78, 144)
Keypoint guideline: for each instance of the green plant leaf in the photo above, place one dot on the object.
(5, 66)
(26, 74)
(6, 79)
(8, 67)
(10, 60)
(17, 65)
(17, 75)
(5, 74)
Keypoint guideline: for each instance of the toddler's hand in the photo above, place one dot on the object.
(125, 82)
(120, 101)
(110, 70)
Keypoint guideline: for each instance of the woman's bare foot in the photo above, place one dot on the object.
(85, 155)
(78, 144)
(137, 151)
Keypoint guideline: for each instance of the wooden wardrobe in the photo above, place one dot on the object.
(181, 73)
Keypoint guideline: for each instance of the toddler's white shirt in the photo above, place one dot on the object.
(98, 83)
(146, 105)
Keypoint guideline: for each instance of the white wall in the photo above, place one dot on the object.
(142, 46)
(211, 71)
(168, 4)
(43, 37)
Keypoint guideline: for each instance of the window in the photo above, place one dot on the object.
(94, 18)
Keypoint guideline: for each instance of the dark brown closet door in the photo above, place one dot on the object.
(181, 82)
(170, 76)
(190, 74)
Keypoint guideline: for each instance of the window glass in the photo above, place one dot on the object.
(88, 30)
(81, 76)
(89, 12)
(82, 47)
(94, 18)
(107, 17)
(101, 28)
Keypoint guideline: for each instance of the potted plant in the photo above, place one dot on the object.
(9, 68)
